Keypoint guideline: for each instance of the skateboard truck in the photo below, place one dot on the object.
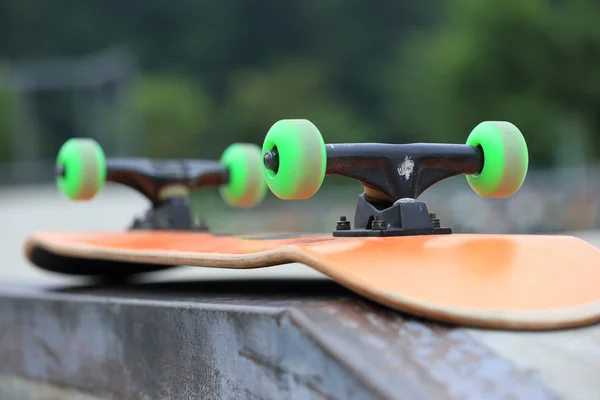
(167, 185)
(82, 170)
(393, 176)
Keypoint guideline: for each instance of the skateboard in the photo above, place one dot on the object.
(397, 254)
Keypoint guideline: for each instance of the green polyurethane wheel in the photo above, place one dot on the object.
(506, 159)
(81, 169)
(246, 187)
(302, 159)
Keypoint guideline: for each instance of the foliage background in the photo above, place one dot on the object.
(216, 72)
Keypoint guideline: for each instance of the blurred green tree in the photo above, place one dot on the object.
(7, 122)
(175, 116)
(221, 44)
(295, 90)
(532, 63)
(359, 71)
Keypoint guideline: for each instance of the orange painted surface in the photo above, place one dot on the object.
(474, 271)
(516, 272)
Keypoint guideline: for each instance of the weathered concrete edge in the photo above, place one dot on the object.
(296, 347)
(419, 360)
(91, 344)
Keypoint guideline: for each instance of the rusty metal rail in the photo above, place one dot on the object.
(249, 339)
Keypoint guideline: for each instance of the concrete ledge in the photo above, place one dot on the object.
(249, 339)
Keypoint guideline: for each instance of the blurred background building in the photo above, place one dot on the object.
(187, 78)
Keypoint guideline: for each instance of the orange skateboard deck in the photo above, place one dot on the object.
(518, 282)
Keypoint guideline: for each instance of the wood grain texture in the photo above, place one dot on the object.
(524, 282)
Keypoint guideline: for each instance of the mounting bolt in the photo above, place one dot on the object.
(343, 224)
(200, 224)
(159, 221)
(379, 223)
(434, 220)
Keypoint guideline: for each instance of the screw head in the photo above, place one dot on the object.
(379, 223)
(271, 160)
(343, 224)
(268, 160)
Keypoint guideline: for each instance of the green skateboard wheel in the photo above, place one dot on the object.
(301, 159)
(506, 159)
(81, 169)
(246, 187)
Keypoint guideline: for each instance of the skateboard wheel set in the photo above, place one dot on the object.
(301, 164)
(82, 172)
(81, 167)
(302, 159)
(506, 159)
(246, 186)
